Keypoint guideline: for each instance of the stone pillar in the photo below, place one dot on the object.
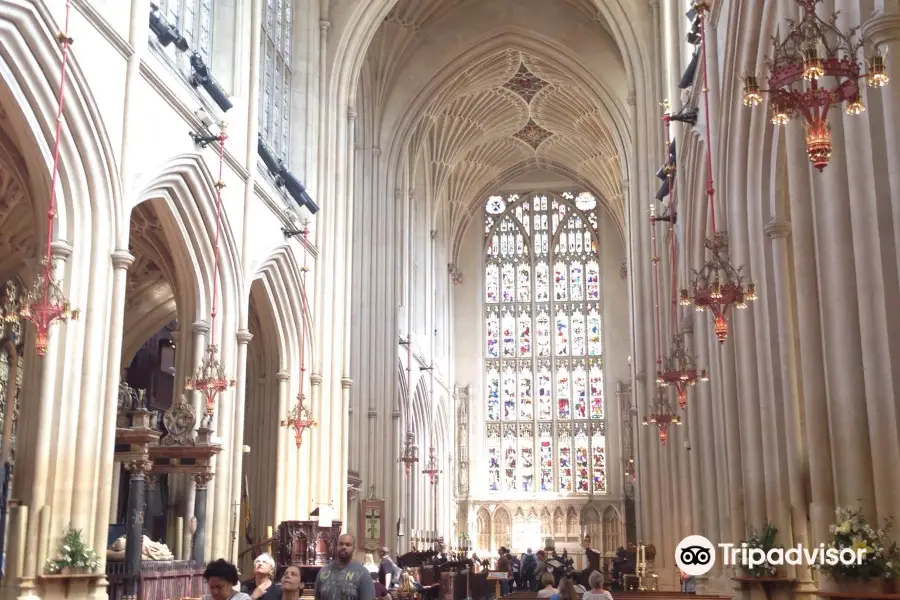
(134, 531)
(778, 231)
(237, 447)
(201, 482)
(283, 443)
(199, 333)
(818, 449)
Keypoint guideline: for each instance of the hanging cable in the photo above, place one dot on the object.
(710, 187)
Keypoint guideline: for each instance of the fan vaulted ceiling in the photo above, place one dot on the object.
(509, 113)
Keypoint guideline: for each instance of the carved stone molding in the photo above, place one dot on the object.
(122, 259)
(462, 395)
(346, 383)
(282, 376)
(200, 327)
(201, 480)
(455, 274)
(244, 336)
(776, 228)
(315, 379)
(179, 421)
(882, 29)
(138, 469)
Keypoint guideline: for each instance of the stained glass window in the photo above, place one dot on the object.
(544, 345)
(193, 19)
(276, 74)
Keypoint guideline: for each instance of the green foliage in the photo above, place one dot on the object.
(74, 553)
(763, 539)
(852, 531)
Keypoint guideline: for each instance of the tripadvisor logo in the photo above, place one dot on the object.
(695, 556)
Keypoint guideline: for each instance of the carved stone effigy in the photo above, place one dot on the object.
(150, 550)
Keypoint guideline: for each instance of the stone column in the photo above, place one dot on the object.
(813, 393)
(283, 443)
(841, 328)
(237, 446)
(134, 532)
(199, 333)
(201, 482)
(778, 231)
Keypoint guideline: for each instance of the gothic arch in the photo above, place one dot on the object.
(89, 198)
(612, 526)
(483, 530)
(501, 528)
(592, 525)
(287, 292)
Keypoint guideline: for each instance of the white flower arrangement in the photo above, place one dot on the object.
(763, 539)
(852, 531)
(75, 554)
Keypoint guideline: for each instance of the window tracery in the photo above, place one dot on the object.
(276, 73)
(193, 19)
(545, 412)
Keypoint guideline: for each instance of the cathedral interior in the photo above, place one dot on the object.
(452, 276)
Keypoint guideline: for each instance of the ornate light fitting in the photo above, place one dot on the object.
(409, 453)
(679, 369)
(210, 379)
(300, 419)
(431, 467)
(812, 50)
(45, 301)
(662, 415)
(718, 285)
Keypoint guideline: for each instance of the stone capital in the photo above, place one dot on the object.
(346, 383)
(138, 469)
(882, 29)
(244, 336)
(324, 25)
(282, 376)
(776, 228)
(60, 250)
(122, 259)
(200, 327)
(373, 413)
(351, 113)
(315, 379)
(201, 480)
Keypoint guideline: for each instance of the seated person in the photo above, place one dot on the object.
(548, 590)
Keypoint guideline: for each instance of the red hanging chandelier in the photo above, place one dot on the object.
(210, 379)
(432, 470)
(662, 415)
(45, 302)
(718, 285)
(678, 368)
(409, 453)
(811, 51)
(300, 418)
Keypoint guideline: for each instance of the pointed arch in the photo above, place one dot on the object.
(89, 197)
(186, 187)
(287, 292)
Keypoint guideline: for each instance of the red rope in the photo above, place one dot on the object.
(219, 184)
(710, 188)
(304, 314)
(51, 211)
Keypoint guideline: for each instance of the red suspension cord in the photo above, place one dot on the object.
(219, 185)
(65, 41)
(305, 313)
(710, 188)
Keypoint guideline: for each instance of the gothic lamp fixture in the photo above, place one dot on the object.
(679, 369)
(210, 379)
(431, 467)
(300, 419)
(45, 303)
(812, 51)
(662, 415)
(409, 453)
(718, 286)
